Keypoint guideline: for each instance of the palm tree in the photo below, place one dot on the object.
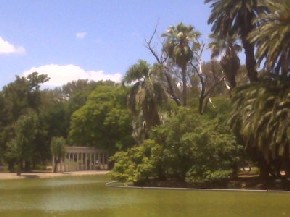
(180, 46)
(236, 17)
(272, 37)
(260, 115)
(228, 49)
(146, 97)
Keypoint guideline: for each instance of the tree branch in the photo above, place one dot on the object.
(161, 61)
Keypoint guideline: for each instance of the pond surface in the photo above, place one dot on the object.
(88, 197)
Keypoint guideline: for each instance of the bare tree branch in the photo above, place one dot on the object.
(161, 61)
(148, 45)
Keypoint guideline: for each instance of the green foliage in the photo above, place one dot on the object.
(236, 17)
(189, 147)
(181, 47)
(103, 121)
(76, 93)
(138, 164)
(22, 146)
(181, 43)
(137, 72)
(230, 61)
(18, 99)
(147, 98)
(261, 117)
(201, 176)
(197, 143)
(57, 146)
(272, 36)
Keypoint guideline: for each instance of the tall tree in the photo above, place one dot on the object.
(104, 121)
(57, 146)
(21, 147)
(261, 117)
(236, 17)
(19, 97)
(146, 97)
(77, 92)
(180, 46)
(272, 37)
(227, 48)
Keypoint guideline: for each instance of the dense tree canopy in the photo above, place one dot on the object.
(179, 147)
(272, 37)
(146, 99)
(236, 17)
(230, 62)
(261, 117)
(104, 121)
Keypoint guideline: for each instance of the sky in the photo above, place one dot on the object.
(87, 39)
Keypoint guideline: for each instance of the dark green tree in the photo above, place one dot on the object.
(227, 48)
(272, 37)
(188, 147)
(21, 146)
(236, 17)
(57, 147)
(19, 98)
(261, 118)
(146, 97)
(180, 46)
(104, 121)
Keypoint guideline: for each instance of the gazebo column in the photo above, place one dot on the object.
(81, 158)
(88, 161)
(62, 165)
(78, 158)
(84, 161)
(53, 162)
(99, 160)
(94, 161)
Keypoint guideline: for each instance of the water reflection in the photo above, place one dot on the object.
(88, 197)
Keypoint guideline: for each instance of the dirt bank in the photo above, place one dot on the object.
(5, 176)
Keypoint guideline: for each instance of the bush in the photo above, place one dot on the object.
(188, 147)
(201, 176)
(138, 164)
(195, 145)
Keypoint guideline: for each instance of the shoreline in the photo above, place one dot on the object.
(205, 189)
(9, 176)
(239, 188)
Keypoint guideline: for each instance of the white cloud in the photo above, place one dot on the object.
(8, 48)
(81, 35)
(62, 74)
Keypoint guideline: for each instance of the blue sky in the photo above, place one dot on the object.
(93, 39)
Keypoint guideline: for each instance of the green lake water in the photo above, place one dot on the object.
(88, 197)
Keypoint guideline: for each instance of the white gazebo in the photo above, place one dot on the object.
(82, 158)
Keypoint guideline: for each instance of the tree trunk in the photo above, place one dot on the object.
(55, 161)
(171, 89)
(287, 162)
(246, 25)
(202, 95)
(200, 104)
(54, 167)
(250, 61)
(285, 64)
(11, 165)
(184, 86)
(19, 168)
(264, 169)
